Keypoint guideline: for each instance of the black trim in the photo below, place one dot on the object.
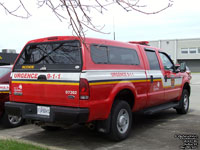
(58, 114)
(149, 49)
(158, 108)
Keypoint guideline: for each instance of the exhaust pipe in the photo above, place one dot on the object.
(91, 126)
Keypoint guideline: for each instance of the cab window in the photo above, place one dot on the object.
(153, 60)
(114, 55)
(167, 62)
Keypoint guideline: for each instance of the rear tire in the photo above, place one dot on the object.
(184, 103)
(11, 121)
(121, 121)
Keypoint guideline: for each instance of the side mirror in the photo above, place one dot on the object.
(183, 67)
(177, 67)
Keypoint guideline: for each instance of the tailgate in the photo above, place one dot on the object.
(46, 88)
(48, 73)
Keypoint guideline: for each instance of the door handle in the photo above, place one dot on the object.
(165, 78)
(42, 78)
(151, 79)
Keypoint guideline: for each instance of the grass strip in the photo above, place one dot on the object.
(9, 144)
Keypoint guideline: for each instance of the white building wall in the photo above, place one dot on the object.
(188, 44)
(175, 48)
(167, 46)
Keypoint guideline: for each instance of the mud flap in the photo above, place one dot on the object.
(104, 125)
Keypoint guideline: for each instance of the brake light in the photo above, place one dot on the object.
(84, 89)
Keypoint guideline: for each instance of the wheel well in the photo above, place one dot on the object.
(127, 96)
(187, 86)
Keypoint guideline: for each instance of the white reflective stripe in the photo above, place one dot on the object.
(178, 81)
(130, 70)
(50, 76)
(4, 87)
(155, 73)
(113, 74)
(167, 84)
(158, 74)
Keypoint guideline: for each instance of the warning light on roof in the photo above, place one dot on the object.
(139, 42)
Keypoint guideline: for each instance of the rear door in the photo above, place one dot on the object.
(48, 73)
(155, 90)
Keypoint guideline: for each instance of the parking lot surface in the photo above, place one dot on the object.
(165, 130)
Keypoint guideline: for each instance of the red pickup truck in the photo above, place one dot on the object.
(5, 119)
(59, 81)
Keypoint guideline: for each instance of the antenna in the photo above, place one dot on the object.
(113, 27)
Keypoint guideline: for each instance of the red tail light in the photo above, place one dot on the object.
(84, 89)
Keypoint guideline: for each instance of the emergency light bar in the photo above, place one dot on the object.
(139, 42)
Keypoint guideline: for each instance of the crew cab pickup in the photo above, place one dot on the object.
(64, 80)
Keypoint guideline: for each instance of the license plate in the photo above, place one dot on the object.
(43, 110)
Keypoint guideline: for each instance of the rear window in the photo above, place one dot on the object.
(4, 71)
(114, 55)
(51, 56)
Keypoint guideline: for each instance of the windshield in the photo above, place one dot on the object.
(64, 55)
(4, 71)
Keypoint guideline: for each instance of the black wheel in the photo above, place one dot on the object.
(184, 103)
(11, 121)
(121, 121)
(50, 128)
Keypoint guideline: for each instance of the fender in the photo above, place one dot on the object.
(185, 84)
(116, 89)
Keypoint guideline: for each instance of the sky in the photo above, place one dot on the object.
(180, 21)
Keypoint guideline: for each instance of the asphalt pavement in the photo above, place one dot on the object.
(162, 131)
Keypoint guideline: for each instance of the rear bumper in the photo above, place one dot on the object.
(58, 114)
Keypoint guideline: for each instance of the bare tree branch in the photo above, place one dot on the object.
(24, 8)
(78, 13)
(13, 12)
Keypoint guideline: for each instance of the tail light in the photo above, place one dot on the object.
(84, 89)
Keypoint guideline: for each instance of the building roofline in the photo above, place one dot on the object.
(174, 39)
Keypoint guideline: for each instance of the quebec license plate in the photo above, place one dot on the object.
(43, 110)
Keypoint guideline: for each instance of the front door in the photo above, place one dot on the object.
(172, 81)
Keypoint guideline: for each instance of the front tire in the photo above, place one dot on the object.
(121, 121)
(184, 103)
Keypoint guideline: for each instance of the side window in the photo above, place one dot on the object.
(99, 54)
(114, 55)
(167, 62)
(123, 56)
(153, 60)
